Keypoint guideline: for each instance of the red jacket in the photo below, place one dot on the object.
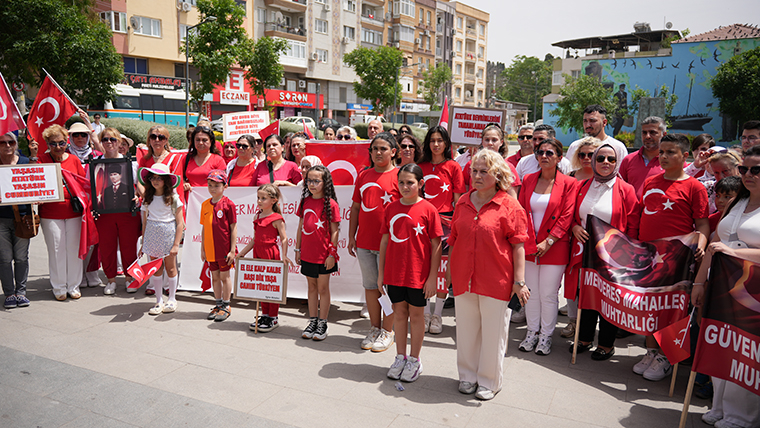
(557, 218)
(626, 211)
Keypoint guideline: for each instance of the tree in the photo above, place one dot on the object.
(434, 82)
(377, 70)
(575, 95)
(263, 64)
(527, 80)
(74, 48)
(737, 86)
(215, 46)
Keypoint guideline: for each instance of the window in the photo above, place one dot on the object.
(481, 52)
(403, 7)
(459, 22)
(458, 69)
(148, 26)
(321, 55)
(135, 65)
(291, 85)
(428, 18)
(117, 21)
(459, 46)
(482, 30)
(576, 74)
(295, 50)
(320, 26)
(183, 31)
(342, 95)
(349, 32)
(370, 36)
(557, 78)
(261, 15)
(349, 5)
(319, 1)
(428, 43)
(458, 92)
(406, 34)
(422, 15)
(480, 73)
(480, 94)
(427, 63)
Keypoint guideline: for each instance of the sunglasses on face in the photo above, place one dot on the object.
(343, 137)
(79, 135)
(8, 143)
(310, 182)
(57, 144)
(242, 146)
(259, 142)
(407, 146)
(755, 170)
(524, 137)
(158, 137)
(109, 140)
(582, 155)
(548, 153)
(610, 159)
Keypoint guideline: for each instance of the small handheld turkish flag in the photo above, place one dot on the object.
(306, 131)
(144, 272)
(674, 340)
(205, 277)
(444, 120)
(51, 106)
(10, 118)
(273, 128)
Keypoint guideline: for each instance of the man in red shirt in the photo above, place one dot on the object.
(524, 138)
(673, 203)
(645, 162)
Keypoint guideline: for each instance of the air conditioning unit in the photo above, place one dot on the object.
(134, 22)
(396, 44)
(314, 56)
(427, 32)
(302, 84)
(453, 32)
(186, 7)
(345, 40)
(326, 7)
(453, 54)
(418, 41)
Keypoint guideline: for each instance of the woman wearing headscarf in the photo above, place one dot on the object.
(614, 201)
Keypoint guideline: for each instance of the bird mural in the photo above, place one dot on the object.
(633, 63)
(702, 60)
(716, 54)
(662, 66)
(614, 63)
(649, 63)
(691, 66)
(675, 65)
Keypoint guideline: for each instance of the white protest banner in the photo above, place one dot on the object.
(29, 183)
(245, 122)
(261, 280)
(466, 123)
(345, 284)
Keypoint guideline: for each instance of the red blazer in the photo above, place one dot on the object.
(557, 218)
(626, 211)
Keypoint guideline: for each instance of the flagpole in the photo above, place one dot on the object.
(673, 380)
(60, 89)
(687, 400)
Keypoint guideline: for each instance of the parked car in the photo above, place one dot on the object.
(326, 122)
(299, 120)
(421, 125)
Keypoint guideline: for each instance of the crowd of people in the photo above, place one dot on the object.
(507, 225)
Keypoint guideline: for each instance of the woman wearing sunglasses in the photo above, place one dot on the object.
(614, 201)
(202, 157)
(241, 169)
(738, 235)
(60, 224)
(409, 149)
(160, 152)
(548, 197)
(346, 133)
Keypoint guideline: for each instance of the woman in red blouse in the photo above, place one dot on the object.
(276, 169)
(490, 221)
(202, 157)
(60, 224)
(241, 169)
(548, 197)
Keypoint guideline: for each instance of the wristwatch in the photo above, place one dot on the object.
(550, 241)
(520, 283)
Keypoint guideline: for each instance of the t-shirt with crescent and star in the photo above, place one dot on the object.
(669, 207)
(374, 191)
(410, 229)
(315, 233)
(441, 182)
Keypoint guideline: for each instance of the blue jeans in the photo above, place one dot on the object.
(14, 259)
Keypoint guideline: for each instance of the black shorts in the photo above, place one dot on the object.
(313, 270)
(413, 296)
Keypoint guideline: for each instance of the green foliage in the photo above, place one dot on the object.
(215, 46)
(737, 86)
(578, 93)
(377, 70)
(75, 48)
(668, 40)
(434, 81)
(527, 79)
(263, 64)
(664, 92)
(626, 138)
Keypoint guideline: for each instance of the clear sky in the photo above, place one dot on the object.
(530, 27)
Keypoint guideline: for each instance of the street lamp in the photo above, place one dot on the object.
(187, 67)
(395, 90)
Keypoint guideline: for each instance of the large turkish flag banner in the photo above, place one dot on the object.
(344, 160)
(10, 117)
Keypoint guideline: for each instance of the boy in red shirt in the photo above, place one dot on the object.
(218, 239)
(674, 203)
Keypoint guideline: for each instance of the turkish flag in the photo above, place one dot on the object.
(273, 128)
(306, 131)
(10, 118)
(50, 107)
(205, 277)
(144, 272)
(444, 120)
(674, 340)
(344, 160)
(80, 188)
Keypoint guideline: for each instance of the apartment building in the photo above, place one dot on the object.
(469, 55)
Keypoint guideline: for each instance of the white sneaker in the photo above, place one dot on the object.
(711, 417)
(436, 324)
(371, 338)
(467, 387)
(110, 288)
(544, 346)
(412, 369)
(529, 342)
(519, 316)
(427, 323)
(659, 369)
(645, 362)
(485, 394)
(384, 341)
(364, 313)
(397, 367)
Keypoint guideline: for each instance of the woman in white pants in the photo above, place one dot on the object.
(548, 197)
(60, 224)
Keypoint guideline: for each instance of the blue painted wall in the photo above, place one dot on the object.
(687, 72)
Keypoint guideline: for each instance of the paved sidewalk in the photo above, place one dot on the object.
(102, 361)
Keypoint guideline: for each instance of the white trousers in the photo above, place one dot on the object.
(736, 404)
(541, 309)
(64, 264)
(482, 329)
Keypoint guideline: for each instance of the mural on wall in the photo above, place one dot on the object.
(687, 73)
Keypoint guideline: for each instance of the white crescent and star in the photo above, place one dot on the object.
(361, 193)
(393, 220)
(52, 101)
(4, 108)
(344, 165)
(387, 198)
(444, 186)
(317, 223)
(650, 192)
(580, 249)
(418, 230)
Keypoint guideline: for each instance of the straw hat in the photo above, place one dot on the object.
(158, 169)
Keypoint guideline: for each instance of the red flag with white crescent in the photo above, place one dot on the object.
(344, 160)
(50, 107)
(444, 120)
(80, 188)
(144, 272)
(675, 341)
(273, 128)
(10, 118)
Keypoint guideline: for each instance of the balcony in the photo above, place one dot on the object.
(471, 33)
(285, 32)
(294, 57)
(373, 19)
(288, 5)
(375, 2)
(469, 99)
(469, 56)
(469, 78)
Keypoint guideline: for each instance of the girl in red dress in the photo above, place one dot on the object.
(268, 226)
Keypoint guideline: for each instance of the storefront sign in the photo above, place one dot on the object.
(362, 107)
(414, 107)
(234, 98)
(144, 81)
